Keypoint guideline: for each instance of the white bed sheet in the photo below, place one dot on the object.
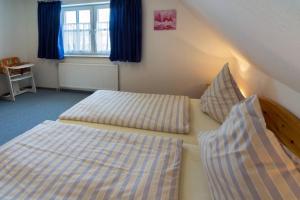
(193, 181)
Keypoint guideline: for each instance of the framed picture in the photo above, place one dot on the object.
(165, 20)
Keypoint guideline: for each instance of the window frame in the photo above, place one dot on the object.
(93, 21)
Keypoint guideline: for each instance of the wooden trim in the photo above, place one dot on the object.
(284, 124)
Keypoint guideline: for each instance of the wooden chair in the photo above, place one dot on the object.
(15, 71)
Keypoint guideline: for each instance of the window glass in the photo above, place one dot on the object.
(84, 31)
(102, 31)
(84, 16)
(103, 15)
(85, 34)
(70, 17)
(69, 31)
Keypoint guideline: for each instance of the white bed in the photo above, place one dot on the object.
(193, 181)
(69, 155)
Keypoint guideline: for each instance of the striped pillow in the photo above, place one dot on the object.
(221, 95)
(244, 160)
(292, 156)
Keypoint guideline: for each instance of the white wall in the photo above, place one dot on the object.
(12, 33)
(263, 38)
(253, 81)
(175, 62)
(264, 31)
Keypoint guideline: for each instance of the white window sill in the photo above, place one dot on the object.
(86, 56)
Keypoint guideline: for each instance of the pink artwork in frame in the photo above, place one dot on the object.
(164, 20)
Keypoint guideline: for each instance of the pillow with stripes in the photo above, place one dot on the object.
(292, 156)
(221, 95)
(244, 160)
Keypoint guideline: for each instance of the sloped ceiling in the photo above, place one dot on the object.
(267, 32)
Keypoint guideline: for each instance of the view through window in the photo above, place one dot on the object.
(86, 29)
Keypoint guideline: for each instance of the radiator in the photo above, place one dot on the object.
(88, 76)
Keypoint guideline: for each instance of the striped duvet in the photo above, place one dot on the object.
(58, 161)
(165, 113)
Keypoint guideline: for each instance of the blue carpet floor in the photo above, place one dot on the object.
(32, 109)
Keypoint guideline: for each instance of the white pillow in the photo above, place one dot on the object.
(244, 160)
(292, 156)
(221, 95)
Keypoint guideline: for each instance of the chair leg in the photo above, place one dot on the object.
(14, 91)
(33, 86)
(11, 89)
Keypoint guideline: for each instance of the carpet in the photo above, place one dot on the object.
(31, 109)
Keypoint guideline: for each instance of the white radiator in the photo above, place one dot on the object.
(88, 76)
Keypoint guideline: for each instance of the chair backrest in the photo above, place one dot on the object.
(9, 62)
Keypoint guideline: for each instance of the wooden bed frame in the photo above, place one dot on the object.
(284, 124)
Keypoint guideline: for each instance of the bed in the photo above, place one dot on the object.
(35, 182)
(193, 181)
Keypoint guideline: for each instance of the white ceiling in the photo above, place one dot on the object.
(267, 32)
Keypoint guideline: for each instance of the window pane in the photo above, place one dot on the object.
(103, 15)
(70, 17)
(84, 16)
(102, 31)
(78, 30)
(77, 36)
(84, 20)
(70, 27)
(85, 39)
(84, 31)
(70, 40)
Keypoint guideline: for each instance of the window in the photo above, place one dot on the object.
(86, 29)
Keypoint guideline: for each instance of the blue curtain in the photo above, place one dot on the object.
(126, 30)
(50, 33)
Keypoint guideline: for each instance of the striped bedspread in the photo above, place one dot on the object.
(58, 161)
(165, 113)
